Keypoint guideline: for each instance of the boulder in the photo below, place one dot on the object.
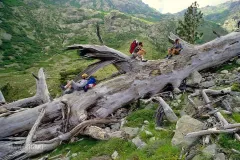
(117, 134)
(115, 155)
(146, 122)
(152, 139)
(224, 71)
(220, 156)
(131, 132)
(207, 84)
(238, 62)
(138, 142)
(186, 124)
(115, 127)
(194, 79)
(148, 133)
(210, 151)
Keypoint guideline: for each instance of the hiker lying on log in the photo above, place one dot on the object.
(84, 84)
(139, 52)
(175, 49)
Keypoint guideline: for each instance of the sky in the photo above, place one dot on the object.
(173, 6)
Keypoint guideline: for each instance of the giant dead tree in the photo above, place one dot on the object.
(44, 124)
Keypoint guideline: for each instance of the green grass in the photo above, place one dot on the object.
(227, 141)
(13, 2)
(161, 148)
(236, 87)
(136, 118)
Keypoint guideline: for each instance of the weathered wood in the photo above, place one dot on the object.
(210, 131)
(42, 95)
(138, 82)
(2, 99)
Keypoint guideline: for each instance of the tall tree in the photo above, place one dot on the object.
(187, 28)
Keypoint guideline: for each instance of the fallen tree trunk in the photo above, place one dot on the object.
(42, 95)
(139, 81)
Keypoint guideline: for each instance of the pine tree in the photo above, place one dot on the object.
(187, 28)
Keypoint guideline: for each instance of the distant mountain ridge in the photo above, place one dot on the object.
(136, 7)
(226, 14)
(32, 31)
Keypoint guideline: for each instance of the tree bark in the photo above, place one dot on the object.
(140, 80)
(42, 95)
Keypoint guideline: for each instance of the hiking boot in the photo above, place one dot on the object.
(62, 87)
(144, 60)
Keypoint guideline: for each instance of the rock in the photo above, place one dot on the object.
(148, 133)
(186, 124)
(174, 104)
(210, 151)
(107, 129)
(74, 139)
(178, 97)
(198, 157)
(220, 156)
(194, 79)
(160, 129)
(115, 155)
(6, 36)
(138, 142)
(238, 69)
(238, 62)
(74, 155)
(131, 132)
(209, 78)
(152, 139)
(3, 110)
(207, 84)
(115, 127)
(105, 157)
(117, 134)
(123, 121)
(224, 71)
(146, 122)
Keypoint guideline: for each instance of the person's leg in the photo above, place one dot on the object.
(176, 51)
(68, 85)
(169, 51)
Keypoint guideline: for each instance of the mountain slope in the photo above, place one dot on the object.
(226, 14)
(136, 7)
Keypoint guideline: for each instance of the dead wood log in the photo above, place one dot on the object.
(218, 114)
(42, 95)
(210, 131)
(138, 82)
(2, 99)
(170, 115)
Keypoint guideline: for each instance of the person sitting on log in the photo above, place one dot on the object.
(72, 86)
(139, 52)
(175, 49)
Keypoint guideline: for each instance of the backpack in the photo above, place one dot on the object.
(91, 80)
(133, 45)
